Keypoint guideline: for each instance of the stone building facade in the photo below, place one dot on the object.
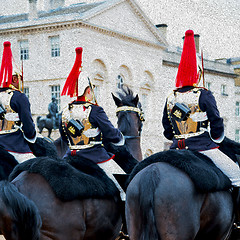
(120, 45)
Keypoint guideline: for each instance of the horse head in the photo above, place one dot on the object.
(130, 119)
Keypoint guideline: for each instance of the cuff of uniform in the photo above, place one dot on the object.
(218, 140)
(31, 140)
(121, 142)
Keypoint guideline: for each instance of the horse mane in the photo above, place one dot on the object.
(7, 163)
(126, 96)
(71, 178)
(22, 210)
(203, 172)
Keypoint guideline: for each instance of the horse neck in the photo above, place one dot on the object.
(134, 147)
(129, 126)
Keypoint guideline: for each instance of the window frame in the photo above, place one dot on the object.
(120, 81)
(55, 46)
(24, 50)
(208, 86)
(224, 90)
(237, 109)
(56, 91)
(237, 135)
(26, 91)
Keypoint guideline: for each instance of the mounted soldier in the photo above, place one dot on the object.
(85, 124)
(191, 118)
(16, 123)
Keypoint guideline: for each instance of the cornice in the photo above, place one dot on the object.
(206, 70)
(75, 24)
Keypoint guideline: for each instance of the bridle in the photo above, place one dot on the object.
(140, 115)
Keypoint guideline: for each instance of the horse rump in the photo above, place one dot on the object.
(140, 205)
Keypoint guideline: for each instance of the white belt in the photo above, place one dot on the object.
(8, 131)
(188, 135)
(79, 147)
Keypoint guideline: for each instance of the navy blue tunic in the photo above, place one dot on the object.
(202, 142)
(97, 118)
(15, 142)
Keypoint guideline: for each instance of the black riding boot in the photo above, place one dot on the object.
(236, 206)
(123, 234)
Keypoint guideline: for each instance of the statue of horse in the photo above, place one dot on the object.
(46, 122)
(163, 202)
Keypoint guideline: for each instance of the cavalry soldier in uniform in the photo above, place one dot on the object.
(85, 124)
(16, 123)
(191, 118)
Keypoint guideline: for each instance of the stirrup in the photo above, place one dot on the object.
(122, 235)
(236, 225)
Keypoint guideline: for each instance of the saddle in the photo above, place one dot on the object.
(71, 178)
(204, 174)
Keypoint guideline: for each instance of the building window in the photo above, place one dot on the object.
(120, 81)
(24, 50)
(26, 91)
(144, 103)
(55, 92)
(224, 90)
(237, 112)
(237, 135)
(55, 46)
(208, 86)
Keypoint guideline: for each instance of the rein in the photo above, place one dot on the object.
(132, 109)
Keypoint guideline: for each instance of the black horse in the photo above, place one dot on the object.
(130, 119)
(164, 203)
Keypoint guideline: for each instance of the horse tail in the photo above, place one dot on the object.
(22, 210)
(147, 187)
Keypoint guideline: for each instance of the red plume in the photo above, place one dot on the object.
(71, 85)
(6, 67)
(187, 70)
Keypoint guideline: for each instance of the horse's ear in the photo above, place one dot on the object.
(117, 101)
(135, 100)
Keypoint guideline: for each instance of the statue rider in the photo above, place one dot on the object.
(53, 111)
(191, 118)
(17, 128)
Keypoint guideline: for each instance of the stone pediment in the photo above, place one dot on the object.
(125, 17)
